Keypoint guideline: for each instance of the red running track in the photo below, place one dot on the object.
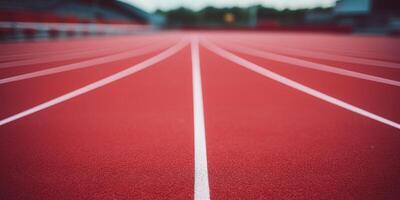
(195, 116)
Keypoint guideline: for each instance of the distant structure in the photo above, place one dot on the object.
(353, 7)
(60, 18)
(103, 11)
(369, 15)
(366, 16)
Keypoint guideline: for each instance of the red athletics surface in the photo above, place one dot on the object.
(359, 46)
(384, 72)
(134, 138)
(266, 140)
(21, 95)
(375, 97)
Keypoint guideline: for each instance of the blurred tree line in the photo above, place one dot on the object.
(215, 17)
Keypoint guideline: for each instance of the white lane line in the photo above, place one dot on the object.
(329, 56)
(41, 53)
(84, 64)
(201, 186)
(65, 56)
(298, 86)
(309, 64)
(89, 46)
(122, 74)
(375, 58)
(54, 58)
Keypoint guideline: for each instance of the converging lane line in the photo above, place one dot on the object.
(201, 186)
(308, 64)
(122, 74)
(298, 86)
(56, 58)
(328, 56)
(84, 64)
(82, 54)
(79, 48)
(72, 55)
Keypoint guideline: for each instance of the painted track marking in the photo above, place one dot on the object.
(83, 64)
(309, 64)
(201, 185)
(63, 57)
(122, 74)
(330, 56)
(298, 86)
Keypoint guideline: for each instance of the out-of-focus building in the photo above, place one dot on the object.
(368, 16)
(107, 11)
(353, 7)
(74, 17)
(379, 16)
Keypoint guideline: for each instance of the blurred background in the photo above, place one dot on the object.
(32, 19)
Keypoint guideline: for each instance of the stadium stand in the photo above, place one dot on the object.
(58, 18)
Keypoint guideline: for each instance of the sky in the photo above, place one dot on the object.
(152, 5)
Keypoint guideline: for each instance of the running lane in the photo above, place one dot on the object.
(378, 98)
(349, 63)
(103, 49)
(219, 130)
(18, 96)
(130, 139)
(36, 48)
(371, 47)
(268, 141)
